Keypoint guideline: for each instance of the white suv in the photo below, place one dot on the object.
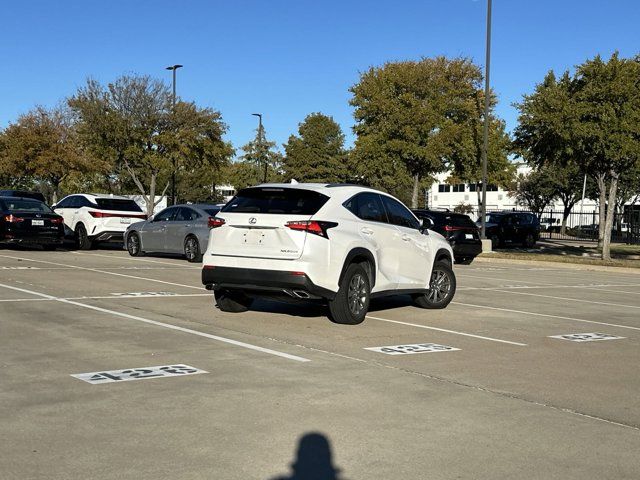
(342, 244)
(97, 218)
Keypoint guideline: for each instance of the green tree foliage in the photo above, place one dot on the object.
(42, 148)
(591, 119)
(535, 190)
(260, 161)
(409, 116)
(317, 154)
(131, 124)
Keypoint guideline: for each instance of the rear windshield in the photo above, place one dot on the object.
(459, 221)
(117, 204)
(277, 201)
(212, 211)
(22, 205)
(493, 218)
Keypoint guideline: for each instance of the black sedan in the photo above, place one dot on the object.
(26, 221)
(458, 229)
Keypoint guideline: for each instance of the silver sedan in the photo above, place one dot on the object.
(180, 229)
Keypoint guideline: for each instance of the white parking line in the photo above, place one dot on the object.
(579, 300)
(503, 279)
(102, 271)
(538, 287)
(104, 297)
(447, 331)
(560, 317)
(114, 257)
(161, 324)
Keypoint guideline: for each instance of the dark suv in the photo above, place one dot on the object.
(512, 227)
(458, 229)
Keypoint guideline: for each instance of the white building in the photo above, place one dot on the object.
(445, 195)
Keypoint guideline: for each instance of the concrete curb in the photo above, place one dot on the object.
(571, 266)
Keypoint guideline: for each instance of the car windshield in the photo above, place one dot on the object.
(22, 205)
(285, 201)
(119, 204)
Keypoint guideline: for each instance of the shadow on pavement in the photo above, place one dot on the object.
(313, 460)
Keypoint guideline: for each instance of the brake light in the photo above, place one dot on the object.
(56, 220)
(112, 215)
(312, 226)
(13, 219)
(449, 228)
(215, 222)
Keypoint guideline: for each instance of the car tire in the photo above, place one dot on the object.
(496, 242)
(529, 241)
(134, 245)
(232, 301)
(442, 288)
(351, 303)
(192, 249)
(83, 242)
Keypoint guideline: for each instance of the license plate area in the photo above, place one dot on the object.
(254, 237)
(37, 223)
(125, 220)
(468, 236)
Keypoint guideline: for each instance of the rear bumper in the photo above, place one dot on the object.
(31, 240)
(293, 284)
(109, 236)
(462, 250)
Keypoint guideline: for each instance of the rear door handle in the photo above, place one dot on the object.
(367, 231)
(406, 238)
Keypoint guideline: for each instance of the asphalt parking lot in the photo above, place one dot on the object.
(507, 401)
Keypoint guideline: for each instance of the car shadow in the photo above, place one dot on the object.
(314, 460)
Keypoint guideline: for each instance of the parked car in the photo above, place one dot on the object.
(459, 230)
(512, 227)
(23, 194)
(90, 219)
(550, 224)
(339, 244)
(178, 229)
(26, 221)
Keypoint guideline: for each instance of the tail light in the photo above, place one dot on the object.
(449, 228)
(111, 215)
(312, 226)
(56, 220)
(215, 222)
(13, 219)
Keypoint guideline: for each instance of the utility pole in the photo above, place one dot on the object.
(261, 145)
(173, 105)
(485, 147)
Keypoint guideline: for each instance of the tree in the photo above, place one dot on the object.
(262, 159)
(568, 181)
(42, 147)
(132, 124)
(317, 154)
(535, 190)
(591, 118)
(408, 115)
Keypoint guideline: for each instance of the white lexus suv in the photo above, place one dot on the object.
(97, 218)
(341, 244)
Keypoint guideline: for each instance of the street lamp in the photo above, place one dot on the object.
(260, 139)
(173, 104)
(485, 147)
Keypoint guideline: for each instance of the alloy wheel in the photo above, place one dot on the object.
(440, 286)
(133, 244)
(357, 294)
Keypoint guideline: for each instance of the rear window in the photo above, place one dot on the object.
(117, 204)
(277, 201)
(21, 205)
(459, 221)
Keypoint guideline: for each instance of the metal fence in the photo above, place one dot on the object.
(584, 226)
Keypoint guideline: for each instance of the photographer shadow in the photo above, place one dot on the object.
(313, 460)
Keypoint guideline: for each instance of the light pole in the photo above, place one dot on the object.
(173, 105)
(485, 146)
(260, 135)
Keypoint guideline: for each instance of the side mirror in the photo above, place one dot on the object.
(425, 224)
(53, 207)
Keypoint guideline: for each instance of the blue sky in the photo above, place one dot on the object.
(286, 59)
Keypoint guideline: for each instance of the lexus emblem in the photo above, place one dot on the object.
(253, 220)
